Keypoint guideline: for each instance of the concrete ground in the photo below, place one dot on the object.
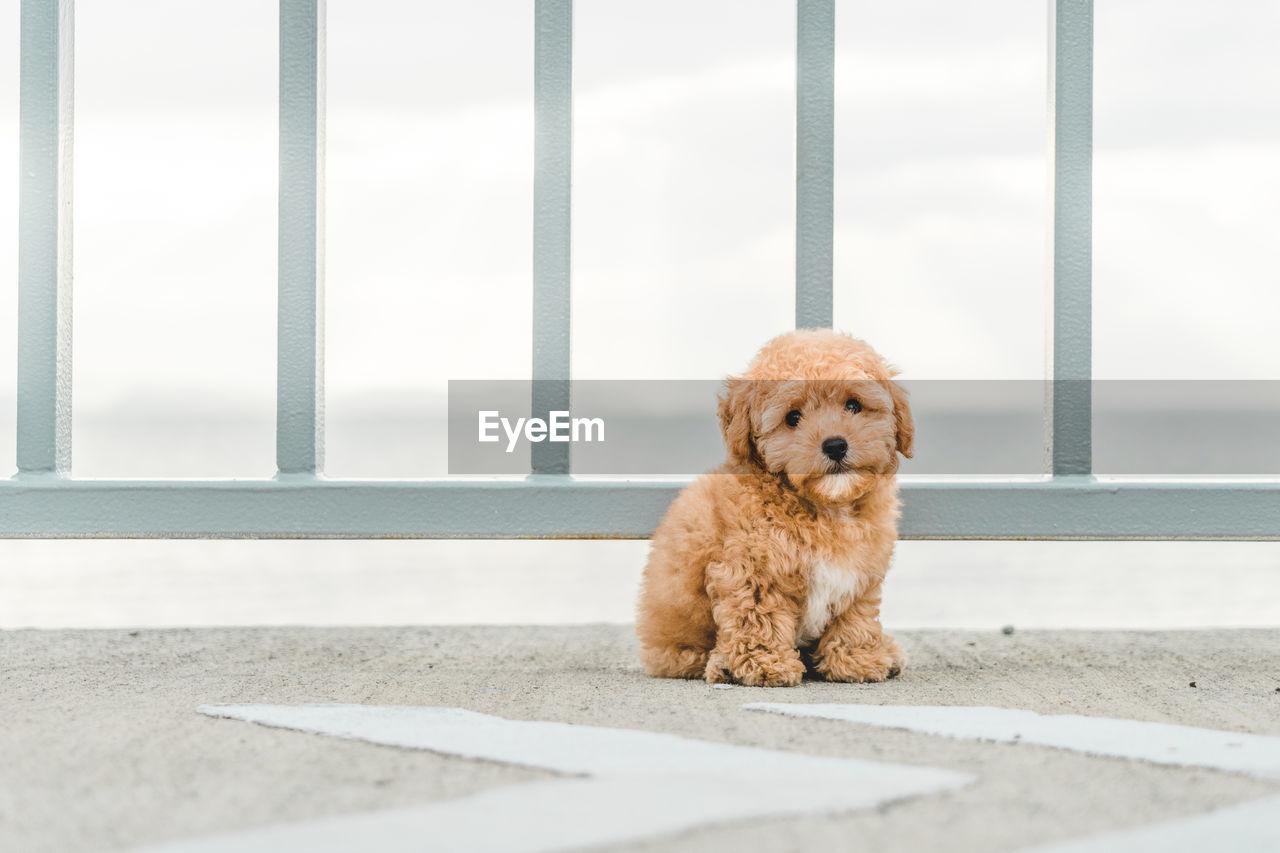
(101, 748)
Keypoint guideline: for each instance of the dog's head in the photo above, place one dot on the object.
(820, 410)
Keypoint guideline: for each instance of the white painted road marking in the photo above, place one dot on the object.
(1159, 743)
(1251, 828)
(639, 784)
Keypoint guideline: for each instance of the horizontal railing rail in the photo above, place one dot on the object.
(43, 500)
(558, 507)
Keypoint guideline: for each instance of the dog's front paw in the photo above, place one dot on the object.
(861, 664)
(755, 668)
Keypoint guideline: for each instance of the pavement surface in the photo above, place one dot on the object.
(101, 747)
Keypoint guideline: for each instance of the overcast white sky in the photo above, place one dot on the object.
(683, 190)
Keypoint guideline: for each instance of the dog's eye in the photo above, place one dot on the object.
(853, 405)
(793, 417)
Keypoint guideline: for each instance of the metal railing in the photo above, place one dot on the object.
(42, 500)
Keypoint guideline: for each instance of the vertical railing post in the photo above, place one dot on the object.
(1069, 401)
(815, 160)
(552, 171)
(44, 237)
(300, 319)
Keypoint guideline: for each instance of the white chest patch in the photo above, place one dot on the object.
(831, 590)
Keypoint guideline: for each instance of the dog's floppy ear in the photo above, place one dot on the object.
(735, 419)
(902, 419)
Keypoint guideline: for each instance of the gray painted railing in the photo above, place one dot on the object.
(1069, 405)
(552, 171)
(44, 238)
(815, 161)
(300, 320)
(41, 500)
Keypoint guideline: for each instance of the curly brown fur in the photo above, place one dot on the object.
(777, 557)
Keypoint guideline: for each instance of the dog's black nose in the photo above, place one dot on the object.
(835, 448)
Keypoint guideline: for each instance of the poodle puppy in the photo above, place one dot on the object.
(773, 562)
